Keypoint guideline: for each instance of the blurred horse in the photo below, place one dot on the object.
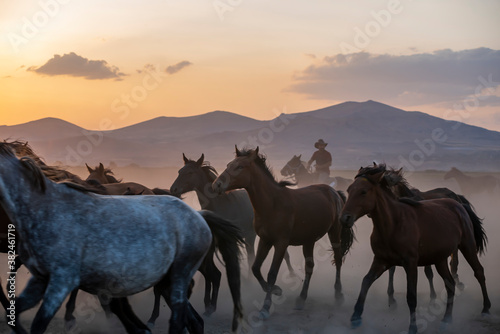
(296, 169)
(94, 257)
(104, 177)
(473, 184)
(412, 233)
(284, 217)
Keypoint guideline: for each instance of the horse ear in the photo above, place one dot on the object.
(200, 160)
(374, 164)
(300, 156)
(186, 160)
(257, 151)
(89, 169)
(238, 153)
(101, 166)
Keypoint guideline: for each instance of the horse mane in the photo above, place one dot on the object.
(261, 163)
(35, 173)
(90, 188)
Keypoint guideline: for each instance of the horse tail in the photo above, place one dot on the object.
(228, 239)
(347, 236)
(477, 225)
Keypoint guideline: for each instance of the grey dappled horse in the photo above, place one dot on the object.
(104, 245)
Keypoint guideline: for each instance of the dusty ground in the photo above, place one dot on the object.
(322, 314)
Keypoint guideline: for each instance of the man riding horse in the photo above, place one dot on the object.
(323, 160)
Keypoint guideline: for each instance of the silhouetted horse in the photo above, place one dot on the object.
(473, 184)
(284, 217)
(100, 248)
(296, 169)
(412, 233)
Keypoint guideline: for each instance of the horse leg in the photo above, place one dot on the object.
(279, 253)
(454, 270)
(121, 307)
(335, 240)
(29, 298)
(262, 251)
(69, 319)
(411, 293)
(289, 264)
(390, 286)
(3, 299)
(57, 290)
(157, 290)
(214, 277)
(377, 268)
(250, 248)
(307, 250)
(469, 252)
(430, 276)
(449, 282)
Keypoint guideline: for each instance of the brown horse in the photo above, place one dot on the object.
(103, 177)
(473, 184)
(411, 233)
(234, 206)
(101, 174)
(296, 169)
(284, 217)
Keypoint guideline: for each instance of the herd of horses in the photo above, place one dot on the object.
(95, 235)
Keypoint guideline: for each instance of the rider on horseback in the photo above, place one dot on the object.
(323, 160)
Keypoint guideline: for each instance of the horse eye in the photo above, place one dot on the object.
(363, 192)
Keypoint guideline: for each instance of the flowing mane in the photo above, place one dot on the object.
(260, 161)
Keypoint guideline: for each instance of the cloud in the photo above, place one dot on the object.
(172, 69)
(417, 79)
(77, 66)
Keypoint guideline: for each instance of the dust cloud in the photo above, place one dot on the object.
(322, 313)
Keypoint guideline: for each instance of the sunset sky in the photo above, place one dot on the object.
(130, 61)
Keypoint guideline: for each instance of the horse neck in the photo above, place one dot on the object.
(19, 198)
(206, 196)
(261, 191)
(303, 174)
(384, 216)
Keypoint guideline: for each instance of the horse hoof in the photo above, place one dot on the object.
(393, 304)
(264, 314)
(276, 290)
(443, 326)
(339, 298)
(356, 323)
(209, 311)
(460, 286)
(412, 329)
(151, 325)
(71, 327)
(300, 303)
(485, 314)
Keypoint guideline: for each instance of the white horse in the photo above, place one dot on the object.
(111, 246)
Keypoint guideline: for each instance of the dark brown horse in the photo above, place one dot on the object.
(296, 169)
(101, 174)
(412, 233)
(473, 184)
(104, 177)
(284, 217)
(401, 188)
(234, 206)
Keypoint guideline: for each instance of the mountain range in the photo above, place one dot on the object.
(357, 133)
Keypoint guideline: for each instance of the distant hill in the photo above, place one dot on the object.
(357, 132)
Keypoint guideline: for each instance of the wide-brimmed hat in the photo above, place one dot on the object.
(319, 143)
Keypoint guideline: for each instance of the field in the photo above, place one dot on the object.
(321, 314)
